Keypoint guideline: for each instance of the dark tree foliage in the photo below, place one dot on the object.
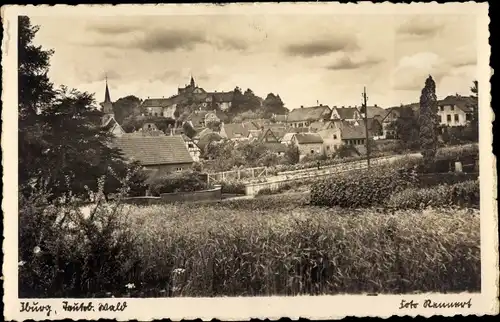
(62, 145)
(428, 121)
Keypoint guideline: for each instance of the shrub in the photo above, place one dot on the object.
(233, 187)
(434, 179)
(460, 194)
(178, 182)
(364, 188)
(65, 252)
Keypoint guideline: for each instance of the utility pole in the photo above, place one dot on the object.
(366, 127)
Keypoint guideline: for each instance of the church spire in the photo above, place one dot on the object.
(107, 97)
(192, 81)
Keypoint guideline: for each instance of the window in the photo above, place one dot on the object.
(448, 118)
(178, 169)
(312, 151)
(335, 136)
(328, 147)
(190, 145)
(441, 108)
(456, 118)
(452, 107)
(468, 117)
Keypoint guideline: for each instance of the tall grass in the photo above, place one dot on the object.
(272, 246)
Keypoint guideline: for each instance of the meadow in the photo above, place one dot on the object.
(277, 245)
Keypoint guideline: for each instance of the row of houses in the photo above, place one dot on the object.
(314, 130)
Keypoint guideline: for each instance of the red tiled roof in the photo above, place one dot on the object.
(154, 150)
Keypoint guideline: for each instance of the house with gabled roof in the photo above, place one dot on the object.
(192, 147)
(308, 143)
(456, 110)
(234, 131)
(304, 116)
(159, 154)
(350, 114)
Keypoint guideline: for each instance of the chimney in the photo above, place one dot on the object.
(321, 104)
(301, 106)
(375, 105)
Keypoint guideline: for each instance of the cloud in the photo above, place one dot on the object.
(420, 27)
(322, 47)
(88, 76)
(346, 63)
(227, 43)
(412, 70)
(112, 29)
(161, 40)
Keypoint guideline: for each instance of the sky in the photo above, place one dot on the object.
(305, 59)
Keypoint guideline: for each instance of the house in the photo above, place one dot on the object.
(308, 143)
(279, 118)
(160, 154)
(276, 148)
(193, 149)
(350, 114)
(201, 119)
(456, 110)
(354, 135)
(287, 138)
(304, 116)
(332, 139)
(267, 136)
(108, 121)
(318, 126)
(164, 107)
(375, 128)
(375, 112)
(234, 131)
(396, 112)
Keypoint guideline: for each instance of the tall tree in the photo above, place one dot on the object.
(273, 105)
(125, 107)
(428, 121)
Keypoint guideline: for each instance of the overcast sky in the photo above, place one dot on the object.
(325, 58)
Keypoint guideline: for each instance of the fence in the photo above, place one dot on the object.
(238, 174)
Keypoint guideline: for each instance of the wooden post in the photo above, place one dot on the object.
(239, 175)
(366, 128)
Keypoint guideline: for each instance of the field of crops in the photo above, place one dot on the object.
(275, 245)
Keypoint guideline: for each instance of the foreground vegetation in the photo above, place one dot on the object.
(271, 245)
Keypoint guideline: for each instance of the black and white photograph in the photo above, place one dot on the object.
(250, 153)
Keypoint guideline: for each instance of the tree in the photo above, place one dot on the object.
(125, 107)
(292, 154)
(273, 105)
(407, 128)
(62, 146)
(428, 121)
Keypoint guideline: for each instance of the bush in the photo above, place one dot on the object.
(178, 182)
(65, 252)
(233, 187)
(360, 189)
(460, 194)
(434, 179)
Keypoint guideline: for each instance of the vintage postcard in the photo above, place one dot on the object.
(314, 160)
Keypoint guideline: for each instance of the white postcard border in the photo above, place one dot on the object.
(244, 308)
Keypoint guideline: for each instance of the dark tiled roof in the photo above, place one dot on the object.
(308, 138)
(235, 130)
(347, 112)
(373, 111)
(349, 131)
(156, 150)
(313, 113)
(464, 103)
(150, 102)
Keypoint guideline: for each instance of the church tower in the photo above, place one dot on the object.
(107, 105)
(192, 82)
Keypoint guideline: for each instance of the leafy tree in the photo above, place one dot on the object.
(125, 107)
(428, 121)
(292, 154)
(214, 125)
(61, 141)
(273, 105)
(407, 128)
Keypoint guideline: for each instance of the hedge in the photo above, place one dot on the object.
(233, 187)
(361, 189)
(460, 194)
(178, 182)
